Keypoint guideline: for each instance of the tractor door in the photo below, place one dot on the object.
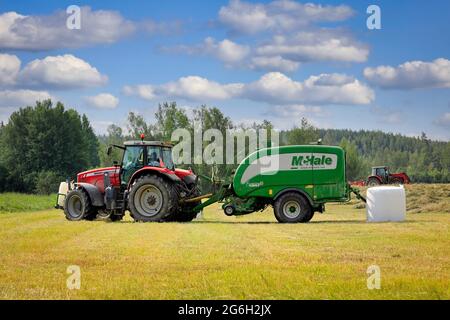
(383, 174)
(133, 160)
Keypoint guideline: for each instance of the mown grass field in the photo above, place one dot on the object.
(220, 257)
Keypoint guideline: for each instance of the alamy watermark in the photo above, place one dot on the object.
(73, 281)
(73, 21)
(374, 20)
(374, 278)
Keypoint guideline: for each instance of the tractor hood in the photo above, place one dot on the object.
(96, 176)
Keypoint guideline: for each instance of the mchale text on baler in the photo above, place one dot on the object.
(296, 180)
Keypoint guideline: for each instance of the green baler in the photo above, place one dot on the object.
(296, 180)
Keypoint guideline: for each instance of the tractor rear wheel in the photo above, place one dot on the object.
(185, 216)
(152, 199)
(397, 181)
(292, 208)
(77, 205)
(373, 182)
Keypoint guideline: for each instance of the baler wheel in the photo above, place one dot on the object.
(292, 207)
(229, 210)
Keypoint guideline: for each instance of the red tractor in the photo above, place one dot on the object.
(146, 183)
(381, 175)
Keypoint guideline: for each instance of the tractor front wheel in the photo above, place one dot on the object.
(373, 182)
(292, 208)
(77, 205)
(152, 199)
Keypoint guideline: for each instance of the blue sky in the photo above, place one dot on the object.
(253, 59)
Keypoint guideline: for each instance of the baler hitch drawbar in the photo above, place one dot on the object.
(358, 195)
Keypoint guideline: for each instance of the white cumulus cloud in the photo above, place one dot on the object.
(21, 98)
(273, 88)
(48, 32)
(411, 75)
(281, 15)
(283, 52)
(103, 101)
(226, 50)
(289, 36)
(9, 69)
(192, 88)
(277, 88)
(315, 45)
(273, 63)
(444, 120)
(143, 91)
(60, 72)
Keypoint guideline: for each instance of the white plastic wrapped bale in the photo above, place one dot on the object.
(386, 203)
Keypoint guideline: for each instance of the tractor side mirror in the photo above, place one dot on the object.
(109, 151)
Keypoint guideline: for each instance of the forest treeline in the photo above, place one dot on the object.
(46, 143)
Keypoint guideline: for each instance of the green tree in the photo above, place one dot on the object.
(169, 117)
(114, 136)
(91, 142)
(43, 138)
(305, 134)
(355, 164)
(136, 126)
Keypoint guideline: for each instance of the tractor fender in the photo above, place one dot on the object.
(190, 179)
(94, 194)
(303, 193)
(158, 171)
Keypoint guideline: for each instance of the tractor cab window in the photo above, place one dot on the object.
(381, 172)
(154, 156)
(167, 158)
(133, 160)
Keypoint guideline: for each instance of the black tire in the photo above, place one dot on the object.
(229, 210)
(292, 207)
(77, 205)
(184, 216)
(152, 199)
(373, 182)
(397, 181)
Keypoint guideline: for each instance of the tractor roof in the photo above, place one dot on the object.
(148, 143)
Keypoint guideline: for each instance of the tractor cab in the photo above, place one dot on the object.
(382, 173)
(140, 154)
